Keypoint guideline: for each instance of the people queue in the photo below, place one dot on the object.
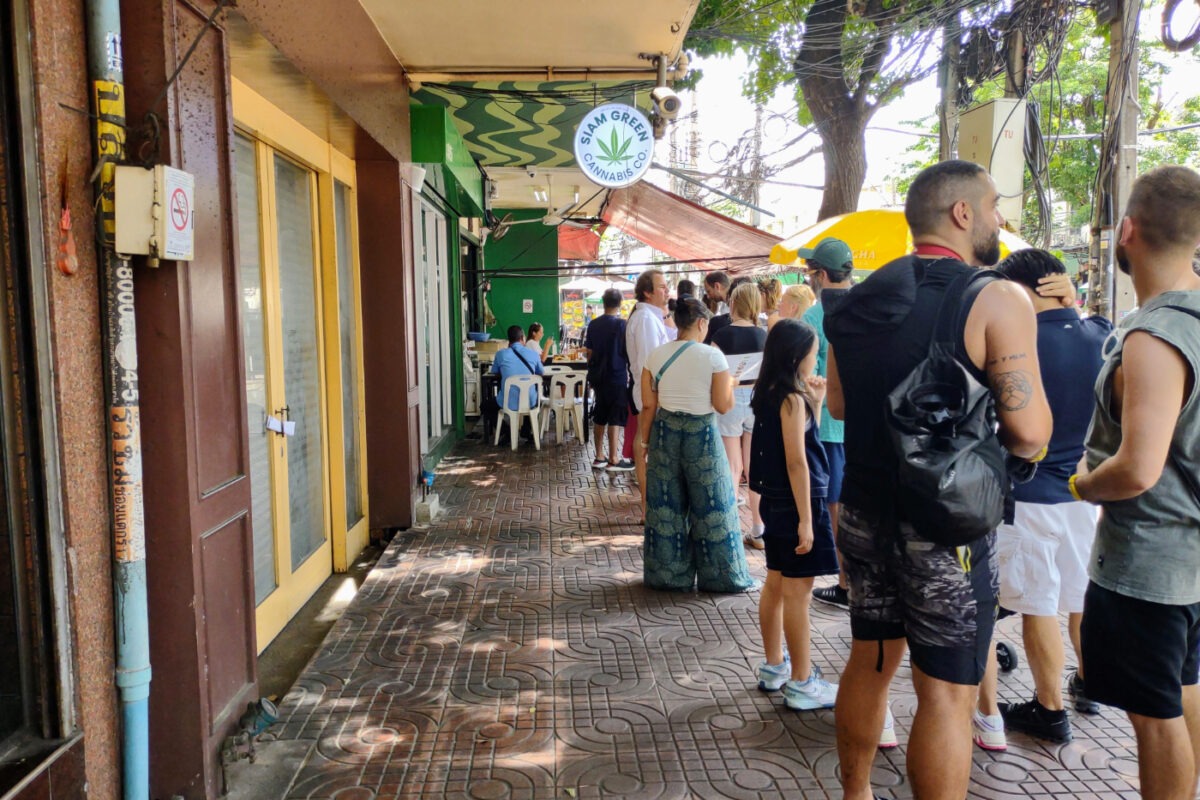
(781, 393)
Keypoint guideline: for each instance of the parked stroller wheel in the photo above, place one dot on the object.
(1006, 657)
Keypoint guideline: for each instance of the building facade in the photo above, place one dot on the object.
(290, 383)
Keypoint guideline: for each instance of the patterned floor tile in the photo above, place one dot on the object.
(510, 650)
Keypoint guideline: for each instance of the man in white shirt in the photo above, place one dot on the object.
(644, 331)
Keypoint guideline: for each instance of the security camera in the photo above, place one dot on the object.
(531, 171)
(666, 102)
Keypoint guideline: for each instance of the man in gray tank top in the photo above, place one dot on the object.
(1141, 614)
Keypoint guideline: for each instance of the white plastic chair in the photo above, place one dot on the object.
(557, 369)
(567, 408)
(522, 383)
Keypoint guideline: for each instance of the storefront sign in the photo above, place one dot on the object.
(614, 145)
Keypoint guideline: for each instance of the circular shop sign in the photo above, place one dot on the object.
(614, 145)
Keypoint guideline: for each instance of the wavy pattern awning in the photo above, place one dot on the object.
(685, 230)
(510, 124)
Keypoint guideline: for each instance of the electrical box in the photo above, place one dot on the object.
(155, 213)
(993, 136)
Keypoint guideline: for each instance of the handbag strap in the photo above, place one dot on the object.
(669, 362)
(517, 352)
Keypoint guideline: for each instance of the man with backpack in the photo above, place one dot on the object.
(913, 579)
(1141, 611)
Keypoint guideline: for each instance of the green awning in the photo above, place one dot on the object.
(511, 124)
(450, 169)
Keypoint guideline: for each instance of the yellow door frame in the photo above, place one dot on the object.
(347, 543)
(276, 134)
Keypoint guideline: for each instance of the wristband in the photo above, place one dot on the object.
(1040, 455)
(1071, 487)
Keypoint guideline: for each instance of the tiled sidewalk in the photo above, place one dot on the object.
(510, 651)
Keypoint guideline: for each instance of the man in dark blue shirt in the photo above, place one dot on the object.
(608, 374)
(1043, 555)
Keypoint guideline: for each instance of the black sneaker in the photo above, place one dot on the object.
(1083, 703)
(624, 465)
(1036, 720)
(833, 595)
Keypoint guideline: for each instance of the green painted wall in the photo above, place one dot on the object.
(525, 247)
(452, 173)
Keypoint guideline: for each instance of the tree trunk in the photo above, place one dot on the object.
(845, 152)
(840, 116)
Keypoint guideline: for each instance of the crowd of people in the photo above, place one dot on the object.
(786, 391)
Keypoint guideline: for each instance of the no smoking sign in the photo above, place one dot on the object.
(177, 243)
(181, 212)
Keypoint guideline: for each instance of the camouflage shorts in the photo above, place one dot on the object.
(941, 599)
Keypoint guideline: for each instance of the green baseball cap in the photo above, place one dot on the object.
(830, 254)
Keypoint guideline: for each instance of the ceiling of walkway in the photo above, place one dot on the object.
(517, 78)
(539, 35)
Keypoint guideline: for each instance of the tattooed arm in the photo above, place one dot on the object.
(1009, 328)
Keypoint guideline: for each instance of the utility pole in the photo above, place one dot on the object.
(756, 168)
(1015, 63)
(1111, 291)
(948, 81)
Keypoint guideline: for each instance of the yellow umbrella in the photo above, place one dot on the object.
(875, 237)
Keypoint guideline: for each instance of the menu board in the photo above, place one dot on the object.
(572, 308)
(577, 310)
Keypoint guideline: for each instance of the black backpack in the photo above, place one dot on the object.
(951, 478)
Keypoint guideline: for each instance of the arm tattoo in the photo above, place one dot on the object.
(1013, 390)
(1004, 359)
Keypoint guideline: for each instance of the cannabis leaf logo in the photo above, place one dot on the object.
(615, 151)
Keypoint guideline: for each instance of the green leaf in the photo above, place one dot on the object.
(625, 149)
(616, 155)
(608, 154)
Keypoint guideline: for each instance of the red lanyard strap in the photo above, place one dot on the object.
(937, 250)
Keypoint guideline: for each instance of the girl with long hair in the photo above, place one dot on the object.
(789, 470)
(742, 337)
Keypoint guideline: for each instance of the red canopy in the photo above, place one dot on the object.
(579, 244)
(687, 231)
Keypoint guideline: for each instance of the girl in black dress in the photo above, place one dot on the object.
(790, 471)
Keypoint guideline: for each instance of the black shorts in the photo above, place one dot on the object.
(1139, 655)
(903, 586)
(611, 406)
(780, 519)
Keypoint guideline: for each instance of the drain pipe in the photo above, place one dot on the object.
(132, 633)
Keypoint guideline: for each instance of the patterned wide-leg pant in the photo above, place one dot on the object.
(693, 536)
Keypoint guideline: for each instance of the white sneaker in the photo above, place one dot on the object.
(887, 737)
(989, 731)
(772, 677)
(816, 692)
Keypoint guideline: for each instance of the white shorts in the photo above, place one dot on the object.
(1043, 557)
(740, 418)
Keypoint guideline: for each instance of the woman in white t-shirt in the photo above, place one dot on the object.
(693, 535)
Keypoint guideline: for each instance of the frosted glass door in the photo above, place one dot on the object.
(348, 319)
(254, 345)
(295, 210)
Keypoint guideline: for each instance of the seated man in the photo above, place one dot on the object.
(516, 359)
